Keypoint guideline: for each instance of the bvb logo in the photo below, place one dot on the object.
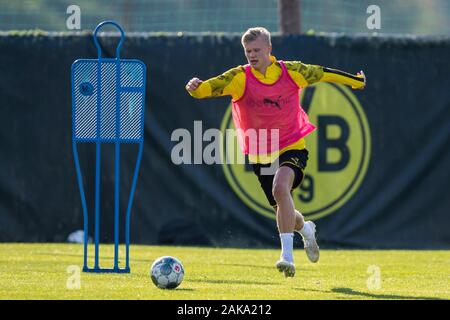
(339, 153)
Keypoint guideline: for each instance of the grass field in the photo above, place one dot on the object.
(40, 271)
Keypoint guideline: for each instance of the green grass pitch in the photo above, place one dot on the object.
(42, 271)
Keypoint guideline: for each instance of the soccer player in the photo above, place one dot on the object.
(266, 95)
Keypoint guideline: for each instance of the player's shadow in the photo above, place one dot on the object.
(352, 292)
(244, 265)
(251, 266)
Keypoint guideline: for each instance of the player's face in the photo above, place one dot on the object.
(257, 53)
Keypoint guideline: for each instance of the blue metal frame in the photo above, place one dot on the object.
(98, 140)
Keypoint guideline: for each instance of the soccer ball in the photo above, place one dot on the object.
(167, 272)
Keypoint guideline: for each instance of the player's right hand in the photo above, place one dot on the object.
(193, 84)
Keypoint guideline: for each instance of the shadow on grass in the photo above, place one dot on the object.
(91, 257)
(269, 267)
(351, 292)
(233, 282)
(110, 258)
(43, 253)
(181, 289)
(244, 265)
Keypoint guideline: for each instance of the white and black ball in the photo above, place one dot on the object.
(167, 272)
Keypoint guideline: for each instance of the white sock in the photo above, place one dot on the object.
(287, 244)
(306, 231)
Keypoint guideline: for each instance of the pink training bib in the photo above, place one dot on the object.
(269, 113)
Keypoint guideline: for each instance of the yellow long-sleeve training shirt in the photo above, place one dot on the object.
(232, 83)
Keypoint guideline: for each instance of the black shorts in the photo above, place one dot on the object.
(294, 159)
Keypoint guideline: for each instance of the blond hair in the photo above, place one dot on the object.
(253, 33)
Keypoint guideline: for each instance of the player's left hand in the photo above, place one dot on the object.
(361, 74)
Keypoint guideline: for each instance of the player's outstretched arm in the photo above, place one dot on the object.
(357, 81)
(230, 83)
(307, 74)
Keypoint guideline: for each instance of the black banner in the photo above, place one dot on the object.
(377, 177)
